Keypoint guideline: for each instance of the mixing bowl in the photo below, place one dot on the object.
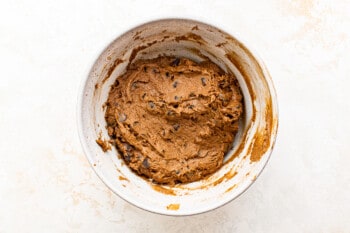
(198, 41)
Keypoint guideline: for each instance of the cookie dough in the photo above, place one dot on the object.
(173, 119)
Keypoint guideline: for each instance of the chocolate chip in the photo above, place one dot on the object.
(222, 84)
(111, 120)
(145, 163)
(176, 97)
(134, 85)
(144, 95)
(127, 157)
(177, 172)
(176, 62)
(176, 127)
(170, 113)
(204, 81)
(122, 117)
(167, 74)
(127, 147)
(151, 104)
(145, 68)
(155, 70)
(191, 106)
(175, 84)
(192, 94)
(176, 105)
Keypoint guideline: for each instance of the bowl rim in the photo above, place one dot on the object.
(79, 115)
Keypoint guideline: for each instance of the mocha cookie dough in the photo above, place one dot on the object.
(173, 119)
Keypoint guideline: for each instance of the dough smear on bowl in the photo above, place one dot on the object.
(173, 119)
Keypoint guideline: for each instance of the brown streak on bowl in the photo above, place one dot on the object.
(262, 137)
(161, 189)
(173, 207)
(191, 37)
(230, 188)
(123, 178)
(111, 68)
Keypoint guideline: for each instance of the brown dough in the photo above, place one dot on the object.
(173, 119)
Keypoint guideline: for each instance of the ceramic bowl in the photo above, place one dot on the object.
(198, 41)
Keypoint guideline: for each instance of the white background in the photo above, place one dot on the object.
(46, 50)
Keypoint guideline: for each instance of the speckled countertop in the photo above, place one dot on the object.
(47, 48)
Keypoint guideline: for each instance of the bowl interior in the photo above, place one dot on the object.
(197, 41)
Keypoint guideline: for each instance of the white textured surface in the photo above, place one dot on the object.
(47, 48)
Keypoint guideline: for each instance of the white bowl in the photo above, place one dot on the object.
(253, 143)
